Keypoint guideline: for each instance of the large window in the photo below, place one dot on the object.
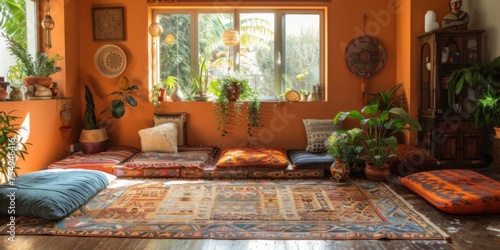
(278, 49)
(17, 19)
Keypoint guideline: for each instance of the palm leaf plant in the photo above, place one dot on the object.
(11, 146)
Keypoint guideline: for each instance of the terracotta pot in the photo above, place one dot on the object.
(44, 81)
(161, 96)
(233, 92)
(340, 170)
(93, 141)
(374, 173)
(497, 132)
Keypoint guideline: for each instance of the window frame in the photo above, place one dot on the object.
(278, 38)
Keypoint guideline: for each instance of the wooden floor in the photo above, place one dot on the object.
(467, 232)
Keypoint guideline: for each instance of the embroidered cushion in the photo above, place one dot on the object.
(252, 157)
(179, 120)
(318, 131)
(304, 159)
(456, 191)
(161, 138)
(411, 159)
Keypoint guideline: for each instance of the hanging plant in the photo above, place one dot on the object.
(233, 89)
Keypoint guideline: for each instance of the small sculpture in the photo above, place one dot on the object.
(41, 91)
(456, 17)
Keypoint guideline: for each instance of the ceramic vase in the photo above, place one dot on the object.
(430, 21)
(16, 94)
(340, 170)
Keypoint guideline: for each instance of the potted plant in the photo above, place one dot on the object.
(200, 83)
(36, 70)
(389, 98)
(378, 139)
(487, 111)
(94, 136)
(344, 149)
(159, 90)
(231, 88)
(477, 76)
(11, 146)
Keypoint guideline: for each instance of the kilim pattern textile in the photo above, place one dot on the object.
(241, 209)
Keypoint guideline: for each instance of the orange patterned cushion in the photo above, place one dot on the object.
(456, 191)
(252, 157)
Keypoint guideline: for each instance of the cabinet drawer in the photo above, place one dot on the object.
(458, 127)
(469, 127)
(448, 127)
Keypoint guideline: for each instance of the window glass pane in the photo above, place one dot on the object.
(175, 49)
(218, 57)
(17, 19)
(301, 51)
(256, 57)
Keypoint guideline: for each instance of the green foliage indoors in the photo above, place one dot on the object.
(379, 127)
(90, 121)
(11, 147)
(477, 76)
(389, 98)
(13, 20)
(219, 88)
(487, 111)
(343, 145)
(115, 110)
(40, 66)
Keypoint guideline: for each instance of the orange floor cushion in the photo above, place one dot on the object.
(456, 191)
(252, 157)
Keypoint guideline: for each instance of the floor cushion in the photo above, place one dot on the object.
(305, 159)
(103, 161)
(411, 159)
(456, 191)
(52, 194)
(252, 157)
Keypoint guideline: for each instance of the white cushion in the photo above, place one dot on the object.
(161, 138)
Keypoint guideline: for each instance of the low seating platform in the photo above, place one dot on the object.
(193, 163)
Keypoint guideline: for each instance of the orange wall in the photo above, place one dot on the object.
(41, 116)
(282, 126)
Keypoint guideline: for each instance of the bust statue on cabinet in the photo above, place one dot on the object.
(456, 17)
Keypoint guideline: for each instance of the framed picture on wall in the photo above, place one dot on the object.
(108, 23)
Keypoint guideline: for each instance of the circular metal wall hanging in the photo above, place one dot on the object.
(110, 60)
(365, 58)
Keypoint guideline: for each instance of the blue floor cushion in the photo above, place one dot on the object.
(304, 159)
(51, 194)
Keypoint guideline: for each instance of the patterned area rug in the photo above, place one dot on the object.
(241, 209)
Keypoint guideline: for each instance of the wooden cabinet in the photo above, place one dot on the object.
(447, 131)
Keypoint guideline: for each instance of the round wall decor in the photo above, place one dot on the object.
(365, 56)
(110, 60)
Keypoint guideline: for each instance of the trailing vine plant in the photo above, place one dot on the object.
(233, 89)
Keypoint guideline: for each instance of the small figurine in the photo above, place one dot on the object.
(456, 17)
